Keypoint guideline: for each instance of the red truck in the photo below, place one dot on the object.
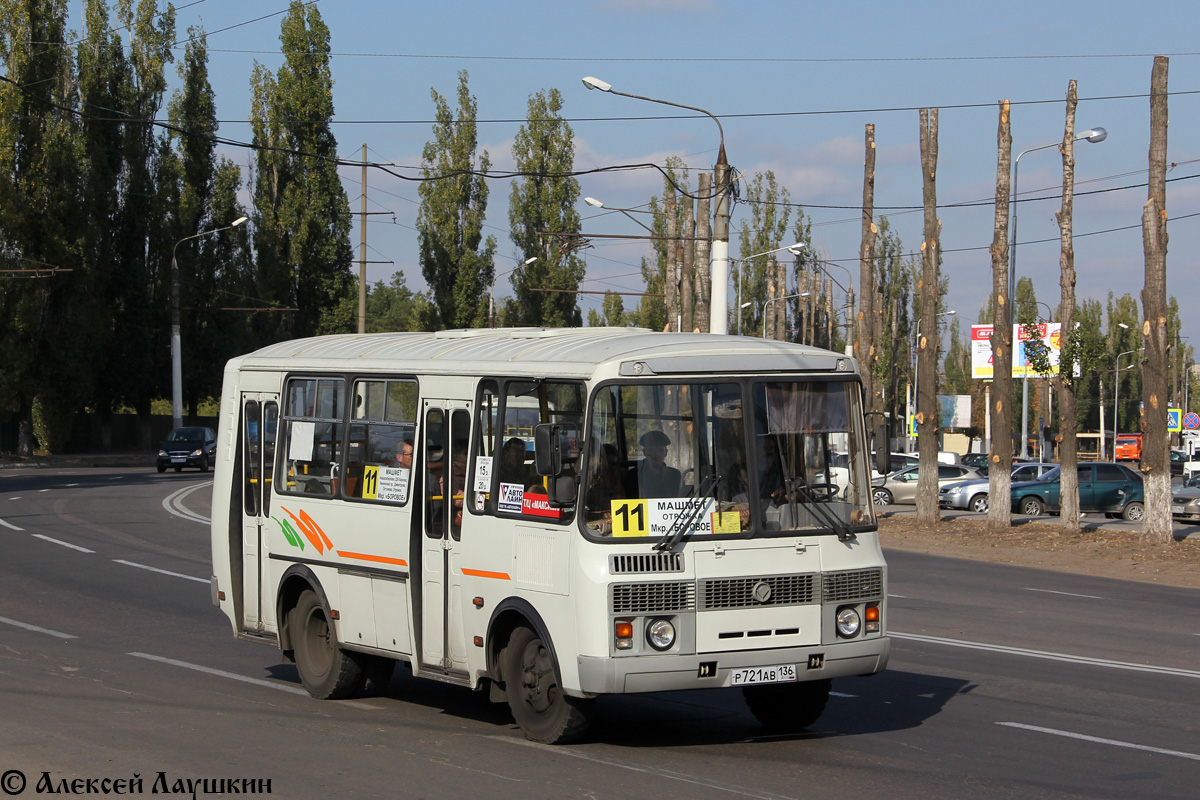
(1129, 447)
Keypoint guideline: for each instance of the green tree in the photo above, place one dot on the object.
(39, 203)
(395, 307)
(544, 200)
(450, 222)
(765, 230)
(301, 213)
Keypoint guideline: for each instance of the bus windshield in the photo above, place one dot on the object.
(725, 458)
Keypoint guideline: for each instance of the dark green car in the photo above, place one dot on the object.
(1114, 489)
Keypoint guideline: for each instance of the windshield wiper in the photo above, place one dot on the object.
(828, 518)
(683, 523)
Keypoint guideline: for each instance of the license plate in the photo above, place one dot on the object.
(175, 459)
(782, 673)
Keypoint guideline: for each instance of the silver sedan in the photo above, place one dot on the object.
(901, 486)
(1185, 503)
(973, 495)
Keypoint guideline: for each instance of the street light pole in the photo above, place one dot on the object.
(775, 300)
(1116, 396)
(176, 344)
(719, 316)
(1094, 135)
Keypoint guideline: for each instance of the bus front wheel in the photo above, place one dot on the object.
(544, 712)
(327, 671)
(788, 706)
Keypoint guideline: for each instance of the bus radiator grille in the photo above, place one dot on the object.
(646, 562)
(863, 584)
(653, 598)
(785, 590)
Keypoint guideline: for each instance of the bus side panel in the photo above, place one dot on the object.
(226, 525)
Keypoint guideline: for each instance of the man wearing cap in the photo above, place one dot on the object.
(655, 478)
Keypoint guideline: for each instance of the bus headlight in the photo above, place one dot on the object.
(848, 622)
(660, 633)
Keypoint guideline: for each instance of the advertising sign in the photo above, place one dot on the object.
(1049, 336)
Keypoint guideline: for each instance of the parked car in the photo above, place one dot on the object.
(1185, 502)
(901, 486)
(1107, 487)
(1178, 459)
(973, 495)
(977, 460)
(187, 447)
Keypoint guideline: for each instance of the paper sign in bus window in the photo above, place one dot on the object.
(483, 474)
(300, 445)
(511, 497)
(386, 483)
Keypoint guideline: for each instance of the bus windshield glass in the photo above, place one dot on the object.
(725, 458)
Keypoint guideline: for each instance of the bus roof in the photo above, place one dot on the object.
(563, 352)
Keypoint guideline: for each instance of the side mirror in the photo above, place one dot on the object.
(555, 446)
(882, 460)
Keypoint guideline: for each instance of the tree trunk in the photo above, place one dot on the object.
(769, 305)
(869, 330)
(703, 248)
(1000, 461)
(1155, 456)
(671, 278)
(1069, 485)
(781, 332)
(927, 344)
(687, 249)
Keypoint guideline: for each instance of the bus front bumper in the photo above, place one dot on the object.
(652, 673)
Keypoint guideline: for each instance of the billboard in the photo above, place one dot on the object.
(1049, 334)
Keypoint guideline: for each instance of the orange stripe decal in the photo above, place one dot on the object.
(483, 573)
(378, 559)
(307, 530)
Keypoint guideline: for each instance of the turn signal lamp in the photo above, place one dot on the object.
(871, 615)
(623, 634)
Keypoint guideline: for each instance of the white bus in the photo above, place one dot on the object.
(663, 521)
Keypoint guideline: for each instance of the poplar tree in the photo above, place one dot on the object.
(302, 215)
(764, 231)
(40, 213)
(541, 209)
(455, 259)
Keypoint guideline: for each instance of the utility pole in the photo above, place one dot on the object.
(362, 251)
(720, 247)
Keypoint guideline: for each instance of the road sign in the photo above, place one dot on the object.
(1174, 420)
(1191, 420)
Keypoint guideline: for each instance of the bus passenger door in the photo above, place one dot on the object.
(443, 458)
(260, 420)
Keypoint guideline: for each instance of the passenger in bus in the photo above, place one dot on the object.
(655, 478)
(770, 476)
(512, 463)
(458, 480)
(605, 482)
(405, 454)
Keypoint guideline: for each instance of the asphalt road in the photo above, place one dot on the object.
(1004, 682)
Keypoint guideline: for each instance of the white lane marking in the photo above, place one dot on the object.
(1068, 594)
(1098, 740)
(36, 629)
(10, 526)
(559, 750)
(72, 484)
(173, 503)
(42, 491)
(1064, 657)
(843, 694)
(901, 596)
(60, 541)
(162, 571)
(220, 673)
(18, 497)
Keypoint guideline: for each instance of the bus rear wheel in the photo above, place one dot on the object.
(327, 671)
(788, 706)
(544, 712)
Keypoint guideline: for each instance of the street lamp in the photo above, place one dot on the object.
(916, 337)
(492, 291)
(775, 300)
(719, 314)
(1116, 396)
(791, 248)
(176, 344)
(594, 203)
(1094, 135)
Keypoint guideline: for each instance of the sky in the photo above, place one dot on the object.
(794, 85)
